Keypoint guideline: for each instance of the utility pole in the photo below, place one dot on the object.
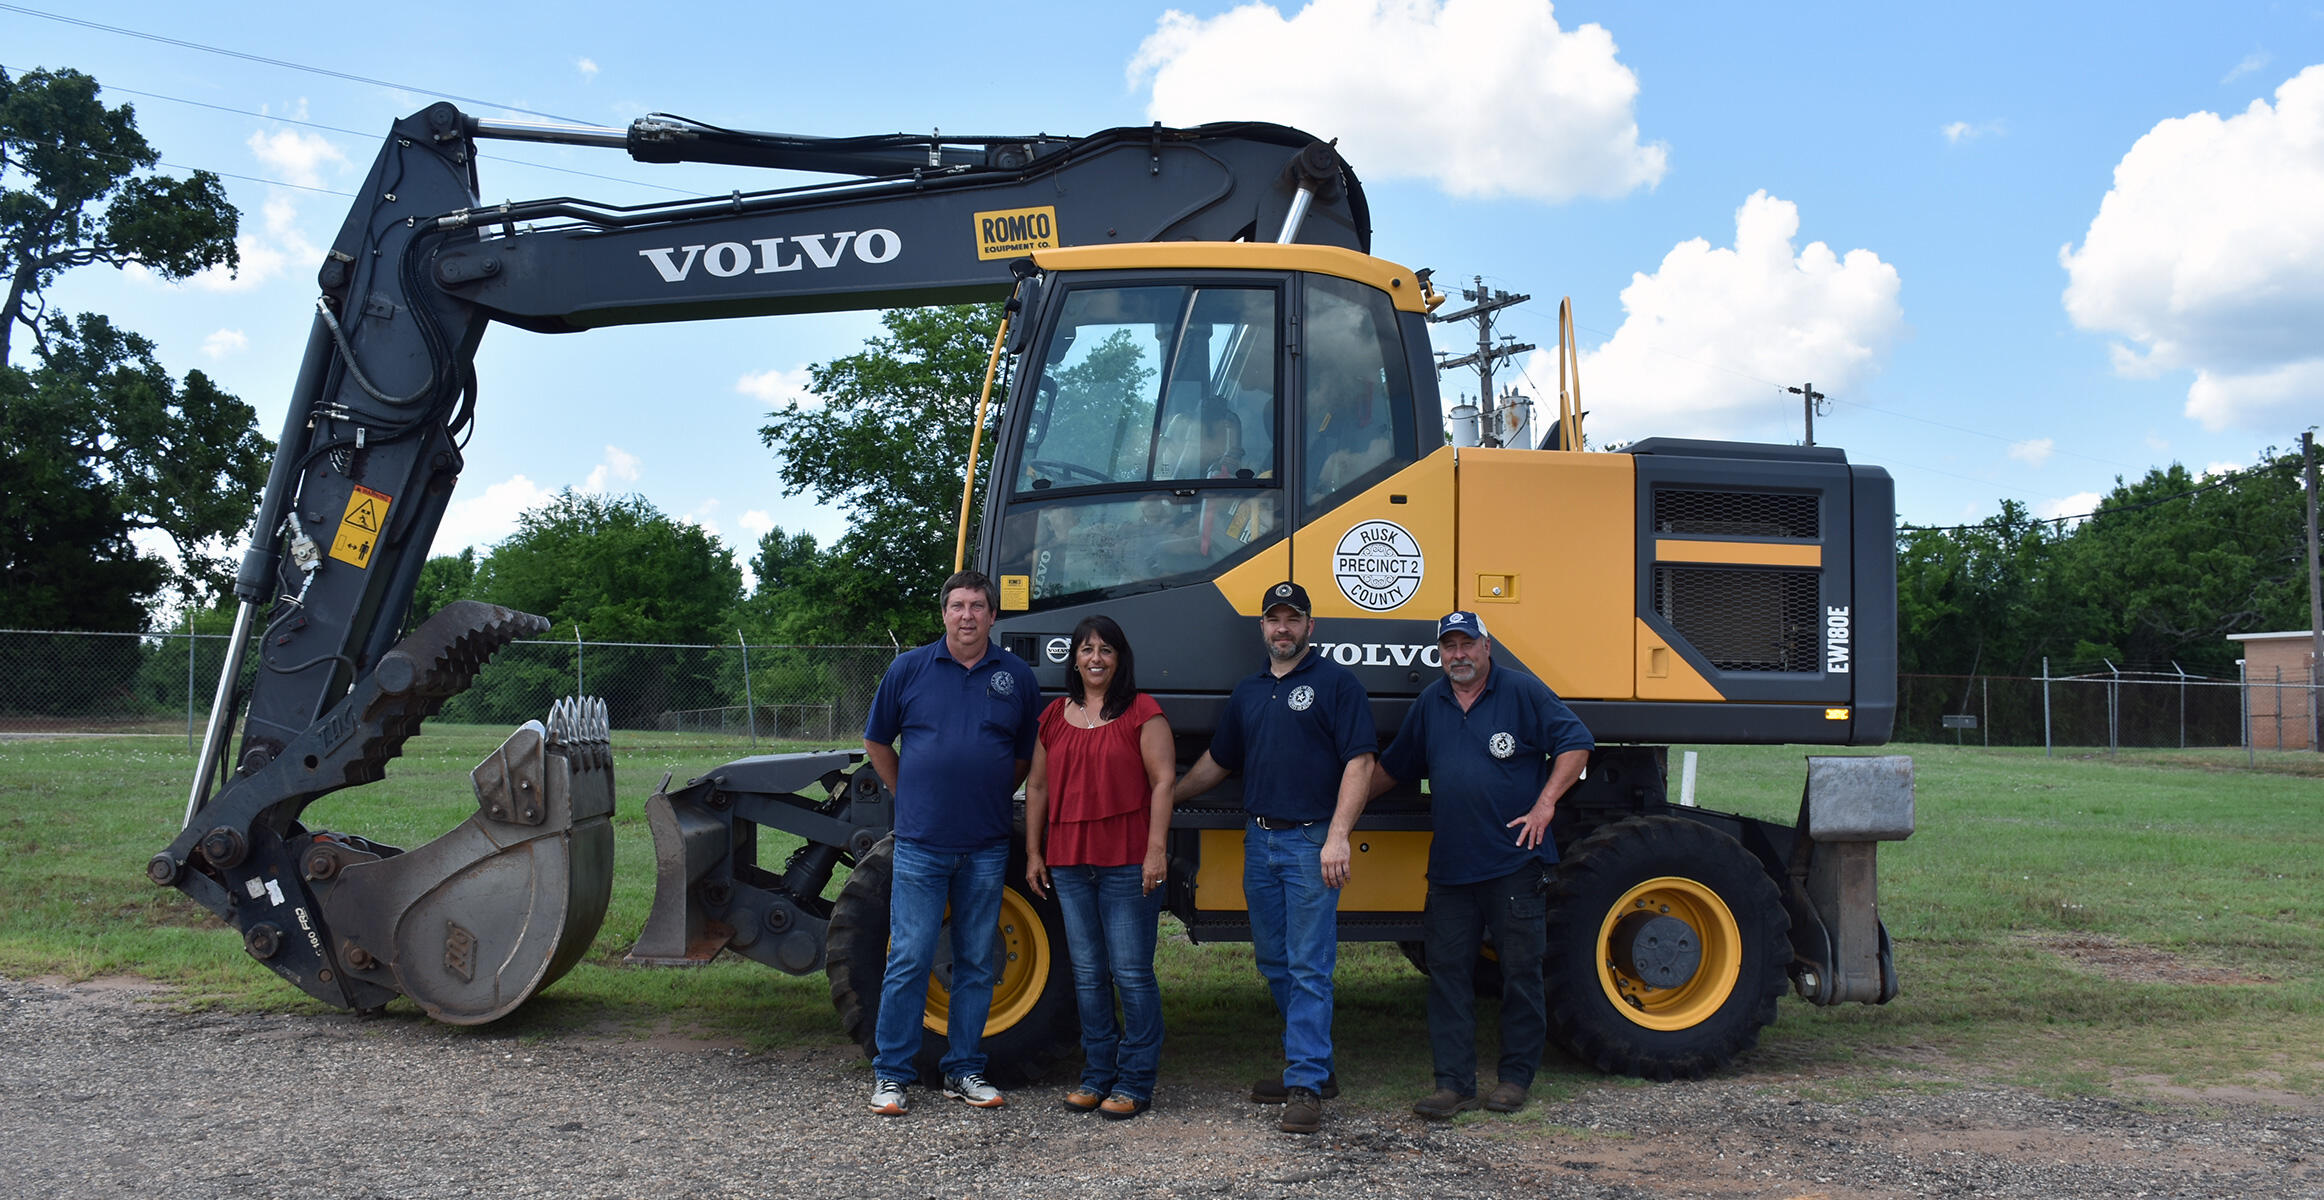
(1813, 400)
(1483, 303)
(2315, 606)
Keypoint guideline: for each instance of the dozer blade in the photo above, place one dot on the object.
(474, 923)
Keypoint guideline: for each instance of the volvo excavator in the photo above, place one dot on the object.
(1213, 385)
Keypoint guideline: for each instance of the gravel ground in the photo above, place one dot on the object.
(110, 1094)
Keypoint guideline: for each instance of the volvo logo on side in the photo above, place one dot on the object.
(1057, 649)
(775, 255)
(1380, 654)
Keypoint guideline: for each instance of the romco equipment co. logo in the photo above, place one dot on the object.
(1378, 565)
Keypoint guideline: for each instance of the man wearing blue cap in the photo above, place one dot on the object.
(1300, 730)
(1498, 749)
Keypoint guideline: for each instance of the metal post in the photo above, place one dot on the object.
(2279, 707)
(580, 680)
(1985, 718)
(214, 737)
(2045, 706)
(2113, 701)
(2243, 703)
(190, 685)
(2315, 603)
(749, 706)
(2182, 702)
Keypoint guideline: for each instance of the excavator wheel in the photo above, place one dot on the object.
(1667, 949)
(1032, 1019)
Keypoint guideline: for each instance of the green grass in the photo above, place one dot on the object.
(2067, 923)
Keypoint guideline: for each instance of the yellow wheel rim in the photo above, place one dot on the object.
(1716, 932)
(1025, 959)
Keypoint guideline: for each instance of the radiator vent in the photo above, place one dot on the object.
(1743, 620)
(1736, 514)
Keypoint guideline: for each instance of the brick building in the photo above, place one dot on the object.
(2279, 676)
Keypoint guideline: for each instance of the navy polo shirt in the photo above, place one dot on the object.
(964, 730)
(1292, 737)
(1485, 768)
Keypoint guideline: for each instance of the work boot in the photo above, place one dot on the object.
(1506, 1097)
(1271, 1090)
(1302, 1111)
(1444, 1103)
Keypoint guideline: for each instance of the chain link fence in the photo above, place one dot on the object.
(745, 695)
(736, 694)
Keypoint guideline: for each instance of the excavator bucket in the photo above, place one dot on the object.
(474, 923)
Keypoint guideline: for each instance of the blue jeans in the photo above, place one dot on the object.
(1110, 927)
(923, 883)
(1295, 936)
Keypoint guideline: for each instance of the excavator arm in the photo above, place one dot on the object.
(475, 922)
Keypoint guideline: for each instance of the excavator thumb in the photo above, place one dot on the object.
(474, 923)
(469, 925)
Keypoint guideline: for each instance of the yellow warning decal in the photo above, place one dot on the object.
(359, 529)
(1016, 593)
(1015, 232)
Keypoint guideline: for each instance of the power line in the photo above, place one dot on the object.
(278, 62)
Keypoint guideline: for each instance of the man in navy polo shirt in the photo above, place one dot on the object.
(967, 712)
(1300, 731)
(1498, 749)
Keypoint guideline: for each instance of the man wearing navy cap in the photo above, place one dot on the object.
(1498, 749)
(1300, 731)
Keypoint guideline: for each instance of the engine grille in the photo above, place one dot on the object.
(1737, 514)
(1753, 619)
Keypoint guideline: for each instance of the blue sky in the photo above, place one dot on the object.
(2023, 248)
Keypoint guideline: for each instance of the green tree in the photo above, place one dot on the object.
(443, 579)
(97, 440)
(89, 197)
(889, 444)
(1969, 599)
(2172, 564)
(623, 572)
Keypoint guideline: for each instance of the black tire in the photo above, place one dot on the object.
(1485, 982)
(1033, 1018)
(1609, 1017)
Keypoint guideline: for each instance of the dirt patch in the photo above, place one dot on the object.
(2128, 962)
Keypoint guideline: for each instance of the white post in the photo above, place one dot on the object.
(190, 684)
(749, 707)
(1686, 780)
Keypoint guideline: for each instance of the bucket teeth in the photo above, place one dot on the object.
(582, 726)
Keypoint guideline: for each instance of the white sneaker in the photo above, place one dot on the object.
(972, 1090)
(888, 1100)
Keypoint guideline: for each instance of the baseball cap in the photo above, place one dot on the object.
(1289, 593)
(1460, 621)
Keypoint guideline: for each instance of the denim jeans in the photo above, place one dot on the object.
(1110, 927)
(923, 883)
(1295, 936)
(1453, 932)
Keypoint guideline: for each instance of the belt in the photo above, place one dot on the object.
(1277, 825)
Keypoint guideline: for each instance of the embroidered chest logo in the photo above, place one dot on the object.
(1502, 745)
(1301, 697)
(1003, 684)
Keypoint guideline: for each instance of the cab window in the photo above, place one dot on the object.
(1357, 394)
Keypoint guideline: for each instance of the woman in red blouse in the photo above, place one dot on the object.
(1097, 818)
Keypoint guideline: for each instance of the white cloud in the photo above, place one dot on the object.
(1702, 334)
(489, 516)
(279, 245)
(225, 342)
(2217, 469)
(755, 523)
(1969, 131)
(618, 464)
(775, 387)
(2257, 60)
(2033, 452)
(587, 67)
(295, 155)
(1483, 97)
(2076, 505)
(2208, 255)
